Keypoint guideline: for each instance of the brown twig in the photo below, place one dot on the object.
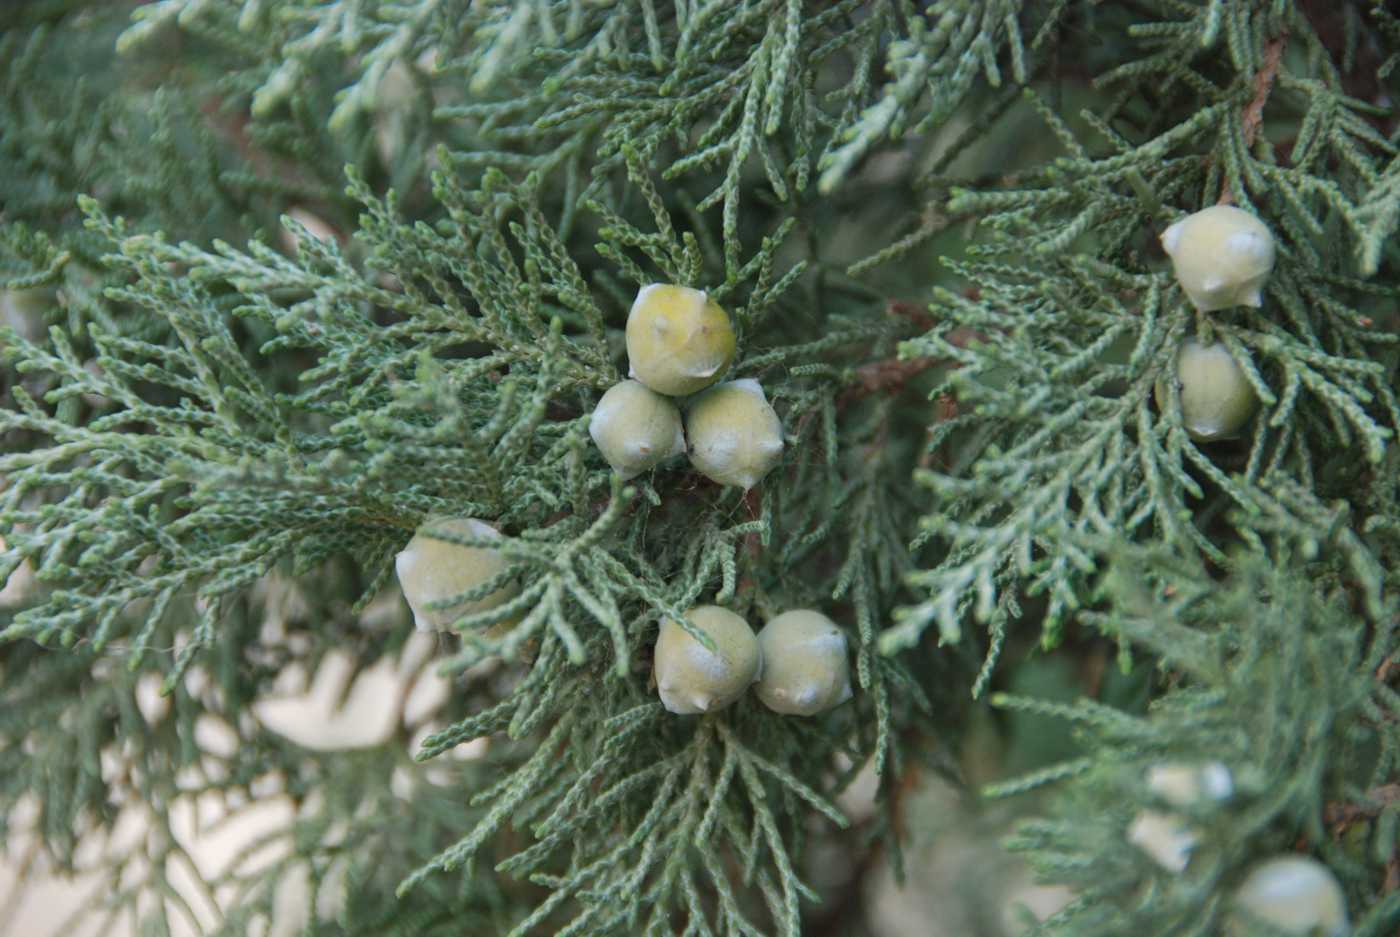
(754, 505)
(889, 375)
(886, 376)
(1253, 117)
(915, 313)
(752, 548)
(1341, 814)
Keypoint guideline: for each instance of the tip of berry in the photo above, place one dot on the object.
(1171, 238)
(751, 386)
(1247, 244)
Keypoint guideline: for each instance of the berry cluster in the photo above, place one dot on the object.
(798, 662)
(679, 342)
(1222, 256)
(1294, 894)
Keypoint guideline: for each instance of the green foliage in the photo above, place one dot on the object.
(281, 282)
(1076, 321)
(1264, 669)
(950, 45)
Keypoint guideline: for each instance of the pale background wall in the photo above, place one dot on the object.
(950, 861)
(34, 902)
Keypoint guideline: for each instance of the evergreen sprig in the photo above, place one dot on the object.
(1070, 347)
(1264, 669)
(283, 284)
